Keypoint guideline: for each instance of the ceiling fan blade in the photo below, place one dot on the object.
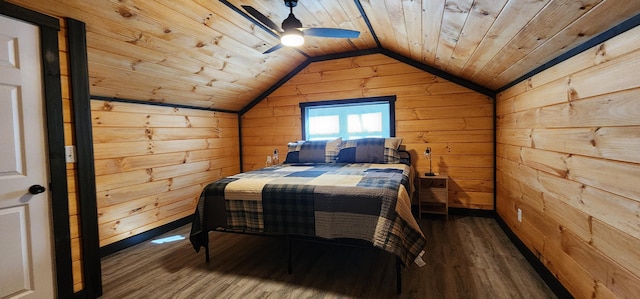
(276, 47)
(330, 32)
(262, 18)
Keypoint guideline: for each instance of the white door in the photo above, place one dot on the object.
(26, 255)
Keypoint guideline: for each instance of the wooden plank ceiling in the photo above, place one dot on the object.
(203, 53)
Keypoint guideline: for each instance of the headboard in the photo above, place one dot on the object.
(405, 157)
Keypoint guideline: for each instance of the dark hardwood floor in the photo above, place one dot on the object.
(466, 257)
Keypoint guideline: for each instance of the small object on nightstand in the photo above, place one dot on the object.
(269, 162)
(427, 155)
(275, 159)
(433, 195)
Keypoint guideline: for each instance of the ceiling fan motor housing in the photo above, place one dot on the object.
(291, 22)
(291, 3)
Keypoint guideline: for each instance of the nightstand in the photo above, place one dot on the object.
(433, 195)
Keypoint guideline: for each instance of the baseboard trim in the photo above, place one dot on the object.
(142, 237)
(472, 212)
(546, 275)
(460, 212)
(80, 295)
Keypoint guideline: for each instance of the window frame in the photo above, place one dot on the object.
(390, 100)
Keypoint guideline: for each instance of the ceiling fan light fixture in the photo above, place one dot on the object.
(292, 32)
(292, 38)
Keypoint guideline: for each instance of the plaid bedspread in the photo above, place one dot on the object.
(362, 201)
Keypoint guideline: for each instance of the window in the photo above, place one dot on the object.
(349, 119)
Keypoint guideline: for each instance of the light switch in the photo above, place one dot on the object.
(70, 154)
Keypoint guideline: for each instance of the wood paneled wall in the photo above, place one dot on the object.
(457, 123)
(568, 157)
(152, 162)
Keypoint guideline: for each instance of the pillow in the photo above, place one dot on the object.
(370, 150)
(324, 151)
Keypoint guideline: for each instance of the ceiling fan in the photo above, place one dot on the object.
(292, 33)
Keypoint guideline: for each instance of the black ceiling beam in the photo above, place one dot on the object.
(598, 39)
(250, 18)
(366, 20)
(273, 87)
(409, 61)
(152, 103)
(440, 73)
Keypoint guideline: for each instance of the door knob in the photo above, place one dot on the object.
(36, 189)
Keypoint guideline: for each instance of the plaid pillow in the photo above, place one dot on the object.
(325, 151)
(370, 150)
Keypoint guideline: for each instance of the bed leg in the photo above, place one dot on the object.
(206, 247)
(398, 275)
(290, 262)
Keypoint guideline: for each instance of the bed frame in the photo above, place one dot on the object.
(290, 238)
(405, 158)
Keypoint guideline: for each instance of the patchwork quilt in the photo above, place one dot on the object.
(361, 201)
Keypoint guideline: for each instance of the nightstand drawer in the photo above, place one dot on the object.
(433, 183)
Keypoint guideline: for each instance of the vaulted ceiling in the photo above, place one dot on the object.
(205, 53)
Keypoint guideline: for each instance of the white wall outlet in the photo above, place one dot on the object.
(519, 215)
(70, 154)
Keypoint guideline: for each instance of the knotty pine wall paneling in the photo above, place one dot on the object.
(568, 142)
(456, 122)
(152, 162)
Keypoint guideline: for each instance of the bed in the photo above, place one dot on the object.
(328, 190)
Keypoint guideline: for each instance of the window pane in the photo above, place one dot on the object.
(355, 126)
(349, 120)
(372, 122)
(323, 125)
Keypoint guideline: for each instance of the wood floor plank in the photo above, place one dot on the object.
(467, 257)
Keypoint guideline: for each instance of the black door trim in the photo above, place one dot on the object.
(85, 169)
(49, 27)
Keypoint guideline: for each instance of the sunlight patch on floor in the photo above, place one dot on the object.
(168, 239)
